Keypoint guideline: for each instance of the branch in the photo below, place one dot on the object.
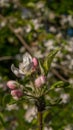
(40, 118)
(6, 58)
(20, 38)
(58, 75)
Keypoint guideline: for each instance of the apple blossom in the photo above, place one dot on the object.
(25, 67)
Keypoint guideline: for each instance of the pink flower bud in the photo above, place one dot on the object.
(43, 79)
(11, 84)
(35, 62)
(17, 93)
(40, 81)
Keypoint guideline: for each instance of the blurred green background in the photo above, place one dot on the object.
(37, 27)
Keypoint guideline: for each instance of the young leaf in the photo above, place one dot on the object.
(2, 120)
(41, 67)
(57, 84)
(48, 60)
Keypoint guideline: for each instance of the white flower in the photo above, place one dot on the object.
(25, 67)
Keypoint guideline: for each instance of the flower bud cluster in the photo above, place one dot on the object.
(15, 92)
(41, 79)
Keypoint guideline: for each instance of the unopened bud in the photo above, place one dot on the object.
(17, 93)
(40, 81)
(11, 84)
(35, 62)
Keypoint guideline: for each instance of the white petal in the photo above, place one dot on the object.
(21, 66)
(16, 71)
(22, 72)
(27, 58)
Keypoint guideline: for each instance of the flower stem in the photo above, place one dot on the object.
(40, 118)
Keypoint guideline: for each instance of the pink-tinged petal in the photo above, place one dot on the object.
(43, 79)
(37, 83)
(11, 84)
(17, 93)
(40, 81)
(35, 62)
(15, 98)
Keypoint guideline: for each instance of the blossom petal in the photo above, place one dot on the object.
(16, 71)
(22, 68)
(27, 59)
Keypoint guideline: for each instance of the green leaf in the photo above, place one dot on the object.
(57, 84)
(2, 119)
(48, 60)
(41, 67)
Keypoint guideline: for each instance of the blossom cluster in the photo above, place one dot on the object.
(27, 67)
